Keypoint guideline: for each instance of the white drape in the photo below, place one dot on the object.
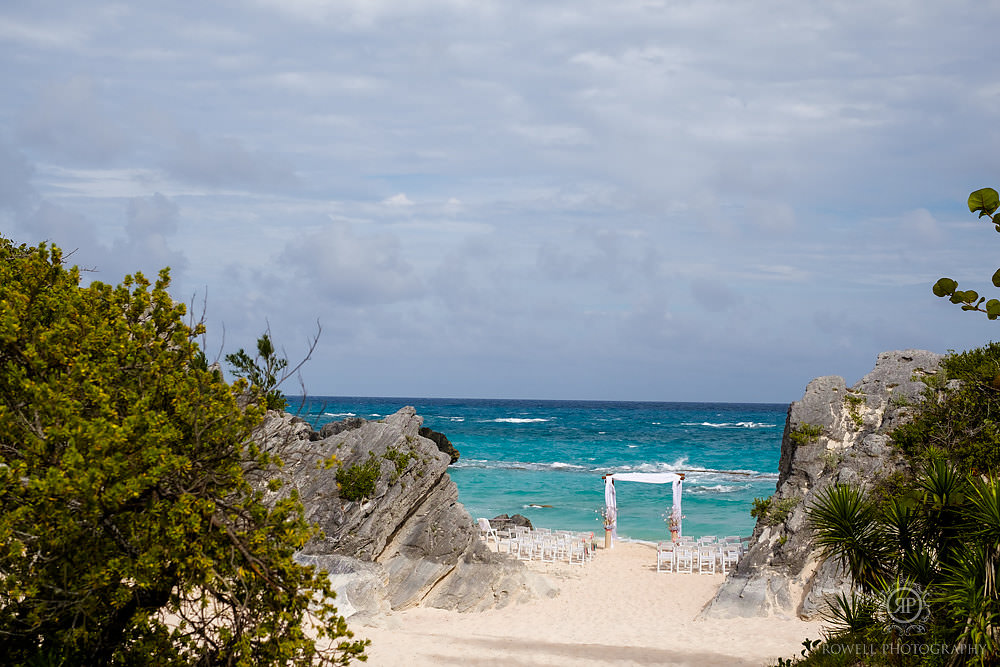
(610, 508)
(611, 504)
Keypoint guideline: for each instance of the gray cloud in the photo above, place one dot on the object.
(150, 221)
(16, 191)
(544, 198)
(344, 267)
(226, 161)
(71, 118)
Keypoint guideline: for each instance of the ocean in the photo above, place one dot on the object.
(545, 459)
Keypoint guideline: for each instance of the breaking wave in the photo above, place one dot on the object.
(697, 478)
(730, 424)
(517, 420)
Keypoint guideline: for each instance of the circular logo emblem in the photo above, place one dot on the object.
(905, 604)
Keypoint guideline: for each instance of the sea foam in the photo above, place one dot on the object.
(518, 420)
(729, 424)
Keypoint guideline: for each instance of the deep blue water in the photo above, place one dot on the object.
(517, 453)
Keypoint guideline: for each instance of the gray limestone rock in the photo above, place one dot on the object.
(410, 541)
(833, 435)
(347, 424)
(504, 521)
(442, 442)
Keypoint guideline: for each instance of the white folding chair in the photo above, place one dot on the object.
(730, 558)
(664, 557)
(706, 559)
(576, 551)
(486, 531)
(684, 559)
(525, 544)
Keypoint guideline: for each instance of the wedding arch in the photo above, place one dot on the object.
(676, 480)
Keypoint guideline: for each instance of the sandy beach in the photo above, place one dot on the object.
(614, 610)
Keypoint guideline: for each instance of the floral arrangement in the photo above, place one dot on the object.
(607, 518)
(673, 520)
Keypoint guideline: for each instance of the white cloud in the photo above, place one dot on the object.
(397, 200)
(319, 83)
(922, 224)
(40, 34)
(552, 135)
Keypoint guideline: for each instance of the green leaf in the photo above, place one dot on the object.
(967, 296)
(993, 308)
(986, 201)
(945, 287)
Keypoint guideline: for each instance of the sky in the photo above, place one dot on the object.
(632, 200)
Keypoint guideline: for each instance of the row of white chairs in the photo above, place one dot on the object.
(706, 555)
(540, 544)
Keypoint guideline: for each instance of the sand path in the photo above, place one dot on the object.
(615, 610)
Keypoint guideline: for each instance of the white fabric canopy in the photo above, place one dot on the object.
(611, 502)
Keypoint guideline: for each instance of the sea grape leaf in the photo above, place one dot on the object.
(993, 309)
(946, 286)
(986, 201)
(967, 296)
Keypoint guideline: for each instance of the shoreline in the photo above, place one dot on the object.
(616, 609)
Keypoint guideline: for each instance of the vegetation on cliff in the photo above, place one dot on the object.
(959, 419)
(129, 532)
(924, 556)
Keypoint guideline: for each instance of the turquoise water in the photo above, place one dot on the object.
(515, 454)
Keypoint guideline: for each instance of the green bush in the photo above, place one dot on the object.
(854, 403)
(781, 509)
(358, 481)
(771, 511)
(760, 508)
(805, 434)
(832, 458)
(400, 459)
(125, 497)
(962, 419)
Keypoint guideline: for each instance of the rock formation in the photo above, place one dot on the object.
(834, 435)
(442, 442)
(505, 522)
(408, 540)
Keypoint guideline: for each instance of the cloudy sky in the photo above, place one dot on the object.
(638, 199)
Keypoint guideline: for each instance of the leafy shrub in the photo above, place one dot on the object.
(938, 541)
(832, 458)
(760, 507)
(781, 509)
(262, 371)
(805, 434)
(771, 511)
(400, 459)
(358, 481)
(960, 419)
(124, 492)
(854, 403)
